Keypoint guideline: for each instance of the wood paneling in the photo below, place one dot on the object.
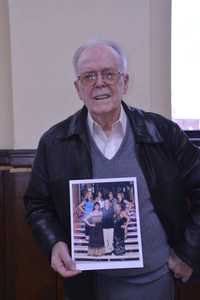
(187, 291)
(27, 273)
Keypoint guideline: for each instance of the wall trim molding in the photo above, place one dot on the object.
(17, 158)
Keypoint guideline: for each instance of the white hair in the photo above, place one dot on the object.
(97, 41)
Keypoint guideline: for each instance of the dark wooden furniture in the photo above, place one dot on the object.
(24, 271)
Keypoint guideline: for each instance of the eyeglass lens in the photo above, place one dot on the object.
(108, 77)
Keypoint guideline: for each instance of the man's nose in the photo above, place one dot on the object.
(99, 81)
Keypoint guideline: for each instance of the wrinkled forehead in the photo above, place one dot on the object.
(98, 57)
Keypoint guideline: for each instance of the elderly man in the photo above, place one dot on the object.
(107, 138)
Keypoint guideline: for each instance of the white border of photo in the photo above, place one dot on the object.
(130, 260)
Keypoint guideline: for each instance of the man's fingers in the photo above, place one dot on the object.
(62, 262)
(65, 269)
(184, 278)
(178, 267)
(69, 273)
(64, 272)
(69, 264)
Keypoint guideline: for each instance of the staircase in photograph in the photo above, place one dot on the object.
(131, 242)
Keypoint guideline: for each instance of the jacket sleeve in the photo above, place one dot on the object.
(41, 214)
(188, 162)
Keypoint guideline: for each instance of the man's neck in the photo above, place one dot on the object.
(106, 121)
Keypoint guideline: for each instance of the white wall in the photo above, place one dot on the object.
(44, 36)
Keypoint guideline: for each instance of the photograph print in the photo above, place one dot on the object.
(105, 225)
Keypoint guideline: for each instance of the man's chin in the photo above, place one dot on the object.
(104, 108)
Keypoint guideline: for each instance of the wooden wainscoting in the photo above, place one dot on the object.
(24, 272)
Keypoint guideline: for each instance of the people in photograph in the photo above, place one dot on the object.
(86, 206)
(99, 199)
(112, 199)
(96, 242)
(123, 202)
(119, 226)
(108, 226)
(109, 139)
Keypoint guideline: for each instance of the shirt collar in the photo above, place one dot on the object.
(122, 120)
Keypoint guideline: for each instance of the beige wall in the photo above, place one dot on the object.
(44, 36)
(6, 104)
(160, 57)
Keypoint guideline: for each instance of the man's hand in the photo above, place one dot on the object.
(178, 267)
(62, 262)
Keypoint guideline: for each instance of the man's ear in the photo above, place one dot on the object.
(76, 83)
(126, 82)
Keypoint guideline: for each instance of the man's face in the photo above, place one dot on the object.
(101, 98)
(106, 203)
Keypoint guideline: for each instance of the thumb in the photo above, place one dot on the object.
(68, 262)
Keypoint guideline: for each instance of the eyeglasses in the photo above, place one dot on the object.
(108, 76)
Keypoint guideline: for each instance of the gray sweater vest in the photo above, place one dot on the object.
(154, 240)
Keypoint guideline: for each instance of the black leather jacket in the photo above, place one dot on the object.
(170, 162)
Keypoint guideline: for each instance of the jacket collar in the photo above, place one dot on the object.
(142, 123)
(75, 124)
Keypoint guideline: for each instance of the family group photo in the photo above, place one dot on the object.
(105, 224)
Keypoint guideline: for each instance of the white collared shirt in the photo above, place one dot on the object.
(108, 145)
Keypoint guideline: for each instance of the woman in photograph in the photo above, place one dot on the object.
(119, 226)
(99, 199)
(96, 242)
(112, 199)
(123, 202)
(88, 203)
